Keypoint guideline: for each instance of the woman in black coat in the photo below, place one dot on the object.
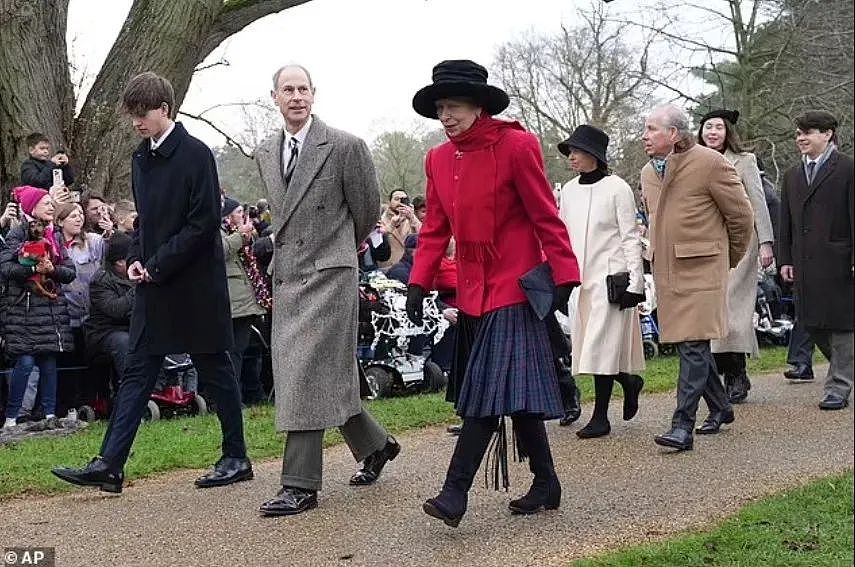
(35, 327)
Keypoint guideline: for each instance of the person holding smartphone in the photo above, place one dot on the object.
(38, 169)
(399, 221)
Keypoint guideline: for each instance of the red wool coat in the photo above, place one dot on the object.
(527, 225)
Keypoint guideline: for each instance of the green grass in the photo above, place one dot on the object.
(810, 526)
(194, 443)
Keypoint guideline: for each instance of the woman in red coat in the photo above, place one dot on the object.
(486, 187)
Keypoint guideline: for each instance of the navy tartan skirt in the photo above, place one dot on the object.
(504, 365)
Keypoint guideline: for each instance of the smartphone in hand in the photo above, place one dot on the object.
(57, 177)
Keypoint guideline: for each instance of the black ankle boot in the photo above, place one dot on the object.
(541, 496)
(450, 504)
(545, 490)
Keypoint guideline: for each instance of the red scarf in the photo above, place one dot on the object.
(475, 214)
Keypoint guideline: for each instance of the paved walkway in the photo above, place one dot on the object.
(619, 490)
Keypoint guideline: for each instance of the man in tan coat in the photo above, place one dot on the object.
(701, 223)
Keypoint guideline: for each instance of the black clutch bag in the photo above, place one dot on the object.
(616, 285)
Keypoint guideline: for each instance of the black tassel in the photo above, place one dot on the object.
(497, 459)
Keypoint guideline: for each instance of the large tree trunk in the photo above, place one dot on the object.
(36, 94)
(169, 37)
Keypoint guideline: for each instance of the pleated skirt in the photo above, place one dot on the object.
(504, 365)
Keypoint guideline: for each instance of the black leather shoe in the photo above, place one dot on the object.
(228, 470)
(799, 373)
(676, 438)
(290, 501)
(831, 402)
(98, 473)
(630, 396)
(373, 464)
(454, 429)
(572, 407)
(594, 429)
(712, 424)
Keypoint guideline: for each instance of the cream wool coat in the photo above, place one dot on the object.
(742, 281)
(601, 221)
(701, 224)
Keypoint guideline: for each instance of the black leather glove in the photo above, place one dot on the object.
(562, 298)
(630, 299)
(415, 304)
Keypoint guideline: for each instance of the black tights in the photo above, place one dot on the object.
(603, 385)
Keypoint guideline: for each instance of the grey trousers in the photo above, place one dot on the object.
(302, 465)
(838, 348)
(698, 377)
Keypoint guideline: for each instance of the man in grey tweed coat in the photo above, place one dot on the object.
(324, 199)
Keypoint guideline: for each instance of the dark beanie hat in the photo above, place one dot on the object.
(229, 205)
(117, 247)
(730, 115)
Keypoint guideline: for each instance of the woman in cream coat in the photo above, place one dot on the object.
(717, 132)
(599, 211)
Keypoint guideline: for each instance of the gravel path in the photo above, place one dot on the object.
(617, 491)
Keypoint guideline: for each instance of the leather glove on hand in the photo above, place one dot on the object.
(562, 298)
(630, 299)
(415, 304)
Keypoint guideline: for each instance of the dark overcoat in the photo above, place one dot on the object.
(319, 219)
(817, 230)
(185, 308)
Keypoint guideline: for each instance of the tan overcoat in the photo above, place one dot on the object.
(701, 224)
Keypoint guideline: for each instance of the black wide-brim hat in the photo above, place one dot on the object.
(589, 139)
(460, 78)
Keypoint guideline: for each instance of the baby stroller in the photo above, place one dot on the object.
(771, 322)
(393, 353)
(175, 390)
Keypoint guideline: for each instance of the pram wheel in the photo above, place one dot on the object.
(379, 382)
(667, 350)
(86, 413)
(434, 378)
(651, 349)
(152, 411)
(199, 406)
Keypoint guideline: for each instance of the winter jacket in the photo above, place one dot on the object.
(87, 261)
(111, 301)
(29, 322)
(39, 173)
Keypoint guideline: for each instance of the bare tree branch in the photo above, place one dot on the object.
(229, 140)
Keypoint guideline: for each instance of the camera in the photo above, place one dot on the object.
(405, 201)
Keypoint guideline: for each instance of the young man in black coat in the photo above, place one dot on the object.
(182, 301)
(816, 248)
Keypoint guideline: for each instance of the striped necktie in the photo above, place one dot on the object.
(292, 161)
(811, 170)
